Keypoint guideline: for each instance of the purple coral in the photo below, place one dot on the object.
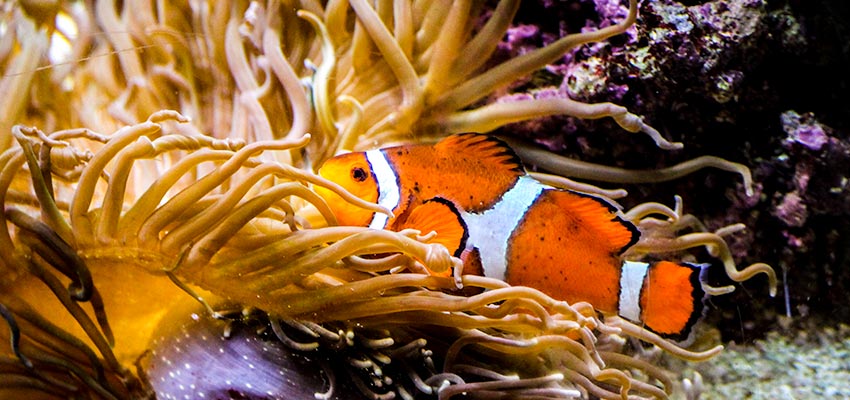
(804, 130)
(611, 11)
(792, 210)
(520, 39)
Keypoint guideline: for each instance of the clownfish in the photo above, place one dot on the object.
(474, 192)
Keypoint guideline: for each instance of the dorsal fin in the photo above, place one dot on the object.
(490, 150)
(606, 220)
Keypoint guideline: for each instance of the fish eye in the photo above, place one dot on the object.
(359, 174)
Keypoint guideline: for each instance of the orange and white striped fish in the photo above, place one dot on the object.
(473, 191)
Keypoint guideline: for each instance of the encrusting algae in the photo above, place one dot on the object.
(124, 207)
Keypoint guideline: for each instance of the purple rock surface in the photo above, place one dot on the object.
(756, 82)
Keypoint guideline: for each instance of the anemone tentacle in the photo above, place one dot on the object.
(302, 273)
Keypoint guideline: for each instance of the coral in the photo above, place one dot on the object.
(709, 46)
(792, 211)
(760, 83)
(804, 130)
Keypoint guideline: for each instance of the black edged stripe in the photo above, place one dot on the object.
(699, 274)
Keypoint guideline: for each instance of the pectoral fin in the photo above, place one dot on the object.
(441, 216)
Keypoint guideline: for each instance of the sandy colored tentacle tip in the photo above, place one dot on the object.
(168, 115)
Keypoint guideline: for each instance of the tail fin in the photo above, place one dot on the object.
(666, 297)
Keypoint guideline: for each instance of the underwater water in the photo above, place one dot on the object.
(119, 215)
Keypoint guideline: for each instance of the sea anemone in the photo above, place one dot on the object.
(114, 228)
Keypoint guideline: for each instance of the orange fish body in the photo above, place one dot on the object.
(474, 192)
